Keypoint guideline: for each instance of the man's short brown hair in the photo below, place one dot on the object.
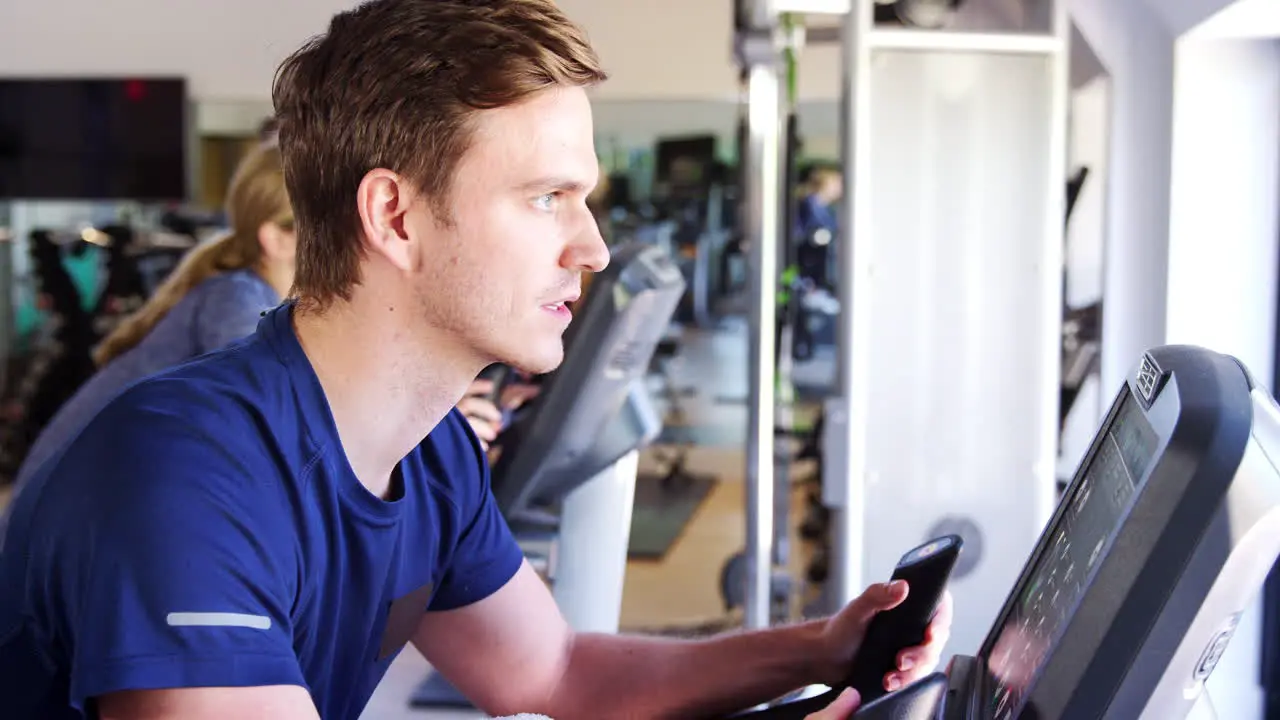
(393, 85)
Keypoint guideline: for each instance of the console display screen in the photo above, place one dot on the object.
(1058, 580)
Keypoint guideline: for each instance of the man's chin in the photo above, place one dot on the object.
(538, 363)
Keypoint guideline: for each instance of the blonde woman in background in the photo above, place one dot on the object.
(214, 297)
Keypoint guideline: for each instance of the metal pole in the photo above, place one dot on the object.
(843, 489)
(763, 183)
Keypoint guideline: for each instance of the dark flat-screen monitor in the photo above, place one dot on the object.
(93, 139)
(685, 166)
(1056, 582)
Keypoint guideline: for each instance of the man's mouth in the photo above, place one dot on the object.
(559, 309)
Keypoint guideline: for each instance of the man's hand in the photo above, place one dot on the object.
(845, 631)
(842, 708)
(515, 395)
(484, 416)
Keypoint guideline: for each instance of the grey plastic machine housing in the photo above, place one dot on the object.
(1164, 537)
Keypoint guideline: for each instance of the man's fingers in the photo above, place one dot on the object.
(939, 630)
(513, 396)
(915, 662)
(479, 408)
(937, 635)
(943, 617)
(880, 597)
(486, 431)
(484, 418)
(480, 387)
(918, 657)
(840, 709)
(909, 658)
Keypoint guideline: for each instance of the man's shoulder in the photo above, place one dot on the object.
(233, 397)
(219, 387)
(189, 445)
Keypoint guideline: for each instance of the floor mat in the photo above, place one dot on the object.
(702, 435)
(663, 510)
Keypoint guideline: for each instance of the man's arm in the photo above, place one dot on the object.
(285, 702)
(494, 630)
(513, 652)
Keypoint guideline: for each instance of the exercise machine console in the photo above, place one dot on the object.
(594, 409)
(1163, 538)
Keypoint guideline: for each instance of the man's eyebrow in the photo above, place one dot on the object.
(562, 184)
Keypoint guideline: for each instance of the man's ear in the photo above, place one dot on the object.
(383, 200)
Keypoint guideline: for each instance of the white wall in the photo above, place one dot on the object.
(955, 313)
(1226, 181)
(1137, 50)
(230, 48)
(1223, 233)
(1089, 147)
(654, 49)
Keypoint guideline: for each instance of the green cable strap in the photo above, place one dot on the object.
(785, 282)
(789, 58)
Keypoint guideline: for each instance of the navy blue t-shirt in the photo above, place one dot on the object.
(206, 529)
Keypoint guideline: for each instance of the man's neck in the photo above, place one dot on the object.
(385, 388)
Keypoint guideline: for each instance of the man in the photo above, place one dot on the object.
(817, 223)
(258, 533)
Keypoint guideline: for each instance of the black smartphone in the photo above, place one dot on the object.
(927, 570)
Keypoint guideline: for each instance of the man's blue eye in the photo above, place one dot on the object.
(546, 202)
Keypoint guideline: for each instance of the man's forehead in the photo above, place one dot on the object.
(547, 135)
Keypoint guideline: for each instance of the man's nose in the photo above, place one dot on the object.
(588, 251)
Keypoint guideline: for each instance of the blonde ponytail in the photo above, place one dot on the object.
(199, 265)
(257, 196)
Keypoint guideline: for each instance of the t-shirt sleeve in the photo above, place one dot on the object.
(172, 566)
(486, 555)
(229, 311)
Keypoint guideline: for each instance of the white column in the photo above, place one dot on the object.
(1137, 50)
(951, 277)
(1224, 229)
(591, 561)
